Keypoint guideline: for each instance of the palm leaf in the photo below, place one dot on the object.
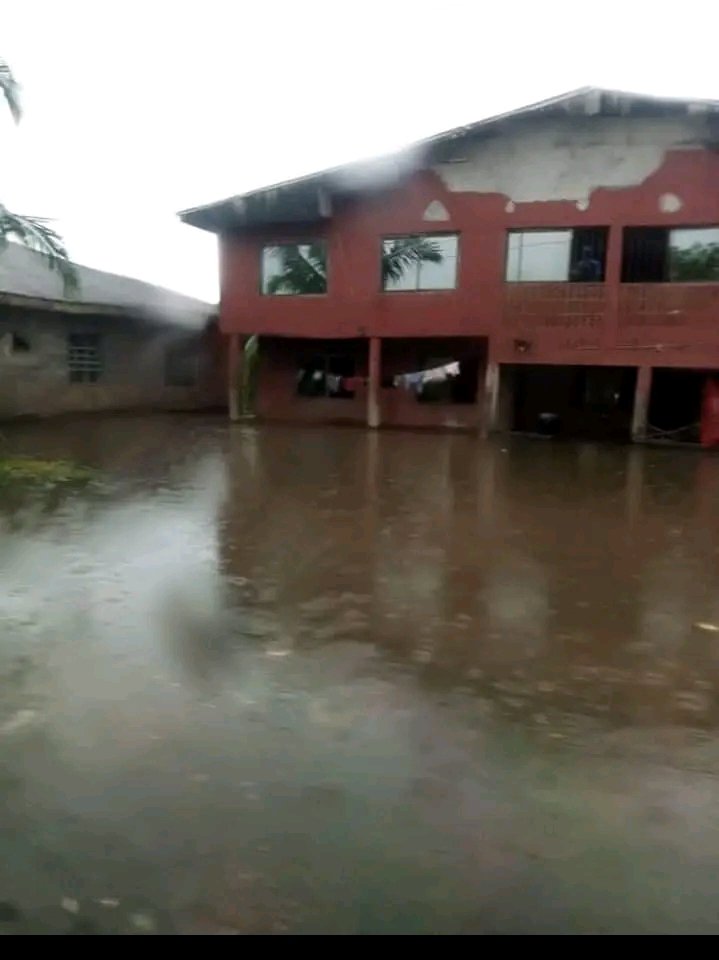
(301, 272)
(10, 89)
(35, 233)
(400, 254)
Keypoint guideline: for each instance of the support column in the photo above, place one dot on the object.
(612, 289)
(505, 399)
(234, 371)
(489, 399)
(374, 383)
(640, 412)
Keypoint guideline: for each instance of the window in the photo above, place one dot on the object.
(694, 254)
(420, 262)
(575, 255)
(84, 362)
(662, 255)
(294, 268)
(12, 344)
(325, 375)
(181, 363)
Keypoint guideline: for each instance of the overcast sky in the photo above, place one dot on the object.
(134, 110)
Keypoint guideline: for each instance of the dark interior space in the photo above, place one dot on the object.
(325, 365)
(645, 255)
(675, 405)
(574, 401)
(677, 255)
(460, 389)
(588, 255)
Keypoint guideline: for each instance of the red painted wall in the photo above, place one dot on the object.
(665, 324)
(277, 397)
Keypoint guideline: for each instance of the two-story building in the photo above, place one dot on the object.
(553, 269)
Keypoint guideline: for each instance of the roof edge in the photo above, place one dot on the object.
(586, 92)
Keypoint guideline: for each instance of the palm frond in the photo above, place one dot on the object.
(10, 89)
(404, 252)
(302, 272)
(38, 235)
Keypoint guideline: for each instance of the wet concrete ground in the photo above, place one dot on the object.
(284, 680)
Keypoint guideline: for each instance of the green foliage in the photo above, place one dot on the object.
(32, 232)
(250, 369)
(696, 263)
(10, 89)
(304, 267)
(400, 254)
(304, 270)
(25, 471)
(38, 235)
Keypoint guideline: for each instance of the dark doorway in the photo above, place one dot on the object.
(675, 405)
(573, 401)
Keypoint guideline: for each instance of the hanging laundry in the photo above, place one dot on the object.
(352, 384)
(334, 383)
(439, 374)
(408, 381)
(413, 381)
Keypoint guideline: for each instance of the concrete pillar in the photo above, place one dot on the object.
(505, 399)
(489, 398)
(612, 289)
(234, 371)
(374, 383)
(640, 412)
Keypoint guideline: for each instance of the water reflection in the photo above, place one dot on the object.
(305, 674)
(553, 562)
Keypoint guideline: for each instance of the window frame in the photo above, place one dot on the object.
(431, 235)
(675, 228)
(666, 230)
(303, 241)
(572, 231)
(83, 372)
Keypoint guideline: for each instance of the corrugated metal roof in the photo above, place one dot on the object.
(25, 274)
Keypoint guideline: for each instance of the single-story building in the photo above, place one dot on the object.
(116, 343)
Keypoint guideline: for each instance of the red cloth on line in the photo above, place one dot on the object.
(710, 414)
(352, 384)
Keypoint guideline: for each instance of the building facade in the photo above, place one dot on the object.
(561, 263)
(115, 344)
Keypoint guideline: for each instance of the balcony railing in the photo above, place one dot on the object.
(671, 306)
(564, 316)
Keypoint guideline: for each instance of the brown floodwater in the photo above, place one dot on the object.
(319, 680)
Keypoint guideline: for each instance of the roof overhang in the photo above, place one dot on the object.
(309, 199)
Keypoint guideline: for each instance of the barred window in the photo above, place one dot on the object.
(84, 360)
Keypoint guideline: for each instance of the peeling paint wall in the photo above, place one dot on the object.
(568, 158)
(560, 174)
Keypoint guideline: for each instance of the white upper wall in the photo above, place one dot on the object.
(567, 158)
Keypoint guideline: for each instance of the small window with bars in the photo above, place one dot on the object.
(84, 359)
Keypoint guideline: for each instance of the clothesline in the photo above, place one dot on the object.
(417, 379)
(408, 381)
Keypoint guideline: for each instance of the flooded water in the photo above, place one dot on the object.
(285, 680)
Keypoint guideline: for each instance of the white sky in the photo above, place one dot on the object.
(135, 109)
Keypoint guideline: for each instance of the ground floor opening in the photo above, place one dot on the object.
(569, 401)
(401, 382)
(449, 382)
(675, 405)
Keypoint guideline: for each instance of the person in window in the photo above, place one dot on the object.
(588, 268)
